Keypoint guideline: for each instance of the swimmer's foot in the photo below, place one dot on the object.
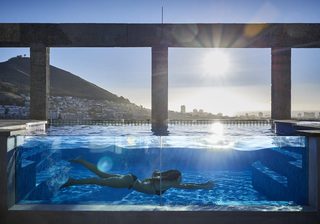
(70, 182)
(76, 160)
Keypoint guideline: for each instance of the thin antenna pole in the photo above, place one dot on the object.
(162, 10)
(162, 14)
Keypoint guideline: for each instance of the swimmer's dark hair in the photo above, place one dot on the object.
(169, 175)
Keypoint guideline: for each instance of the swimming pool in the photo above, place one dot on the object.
(252, 169)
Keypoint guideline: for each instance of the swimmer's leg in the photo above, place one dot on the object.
(72, 182)
(93, 168)
(115, 182)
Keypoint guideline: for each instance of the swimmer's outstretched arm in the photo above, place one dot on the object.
(93, 168)
(194, 186)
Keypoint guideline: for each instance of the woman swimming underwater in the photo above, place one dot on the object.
(157, 184)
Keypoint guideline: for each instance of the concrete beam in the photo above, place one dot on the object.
(39, 82)
(83, 214)
(159, 115)
(226, 35)
(281, 83)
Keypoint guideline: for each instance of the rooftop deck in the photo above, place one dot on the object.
(13, 127)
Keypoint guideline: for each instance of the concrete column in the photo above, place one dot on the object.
(281, 84)
(312, 163)
(314, 171)
(39, 82)
(159, 115)
(3, 176)
(8, 143)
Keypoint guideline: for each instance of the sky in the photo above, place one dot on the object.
(243, 86)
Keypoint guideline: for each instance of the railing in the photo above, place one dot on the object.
(57, 122)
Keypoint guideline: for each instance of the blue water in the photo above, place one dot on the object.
(231, 188)
(229, 160)
(174, 130)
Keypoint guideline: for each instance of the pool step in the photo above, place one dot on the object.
(289, 162)
(269, 182)
(283, 161)
(276, 186)
(291, 155)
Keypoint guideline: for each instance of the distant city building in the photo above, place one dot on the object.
(260, 115)
(195, 111)
(309, 115)
(183, 109)
(201, 111)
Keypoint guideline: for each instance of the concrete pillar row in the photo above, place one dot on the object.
(281, 83)
(159, 115)
(39, 81)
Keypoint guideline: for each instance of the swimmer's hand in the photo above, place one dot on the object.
(208, 185)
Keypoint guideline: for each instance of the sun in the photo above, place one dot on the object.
(216, 62)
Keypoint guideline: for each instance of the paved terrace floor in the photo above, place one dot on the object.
(19, 124)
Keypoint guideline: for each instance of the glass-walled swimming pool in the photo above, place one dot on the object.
(202, 172)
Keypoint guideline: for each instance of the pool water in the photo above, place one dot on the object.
(174, 130)
(232, 188)
(255, 170)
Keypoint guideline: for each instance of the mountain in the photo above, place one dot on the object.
(15, 82)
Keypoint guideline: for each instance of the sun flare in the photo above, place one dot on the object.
(216, 62)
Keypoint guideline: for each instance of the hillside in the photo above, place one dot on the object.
(14, 82)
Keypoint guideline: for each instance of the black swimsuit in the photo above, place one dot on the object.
(157, 192)
(160, 192)
(134, 177)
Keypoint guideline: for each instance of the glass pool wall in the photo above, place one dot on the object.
(248, 172)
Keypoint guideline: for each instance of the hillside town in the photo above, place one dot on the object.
(74, 108)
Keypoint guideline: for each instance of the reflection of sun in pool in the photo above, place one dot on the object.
(105, 164)
(217, 140)
(131, 140)
(217, 129)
